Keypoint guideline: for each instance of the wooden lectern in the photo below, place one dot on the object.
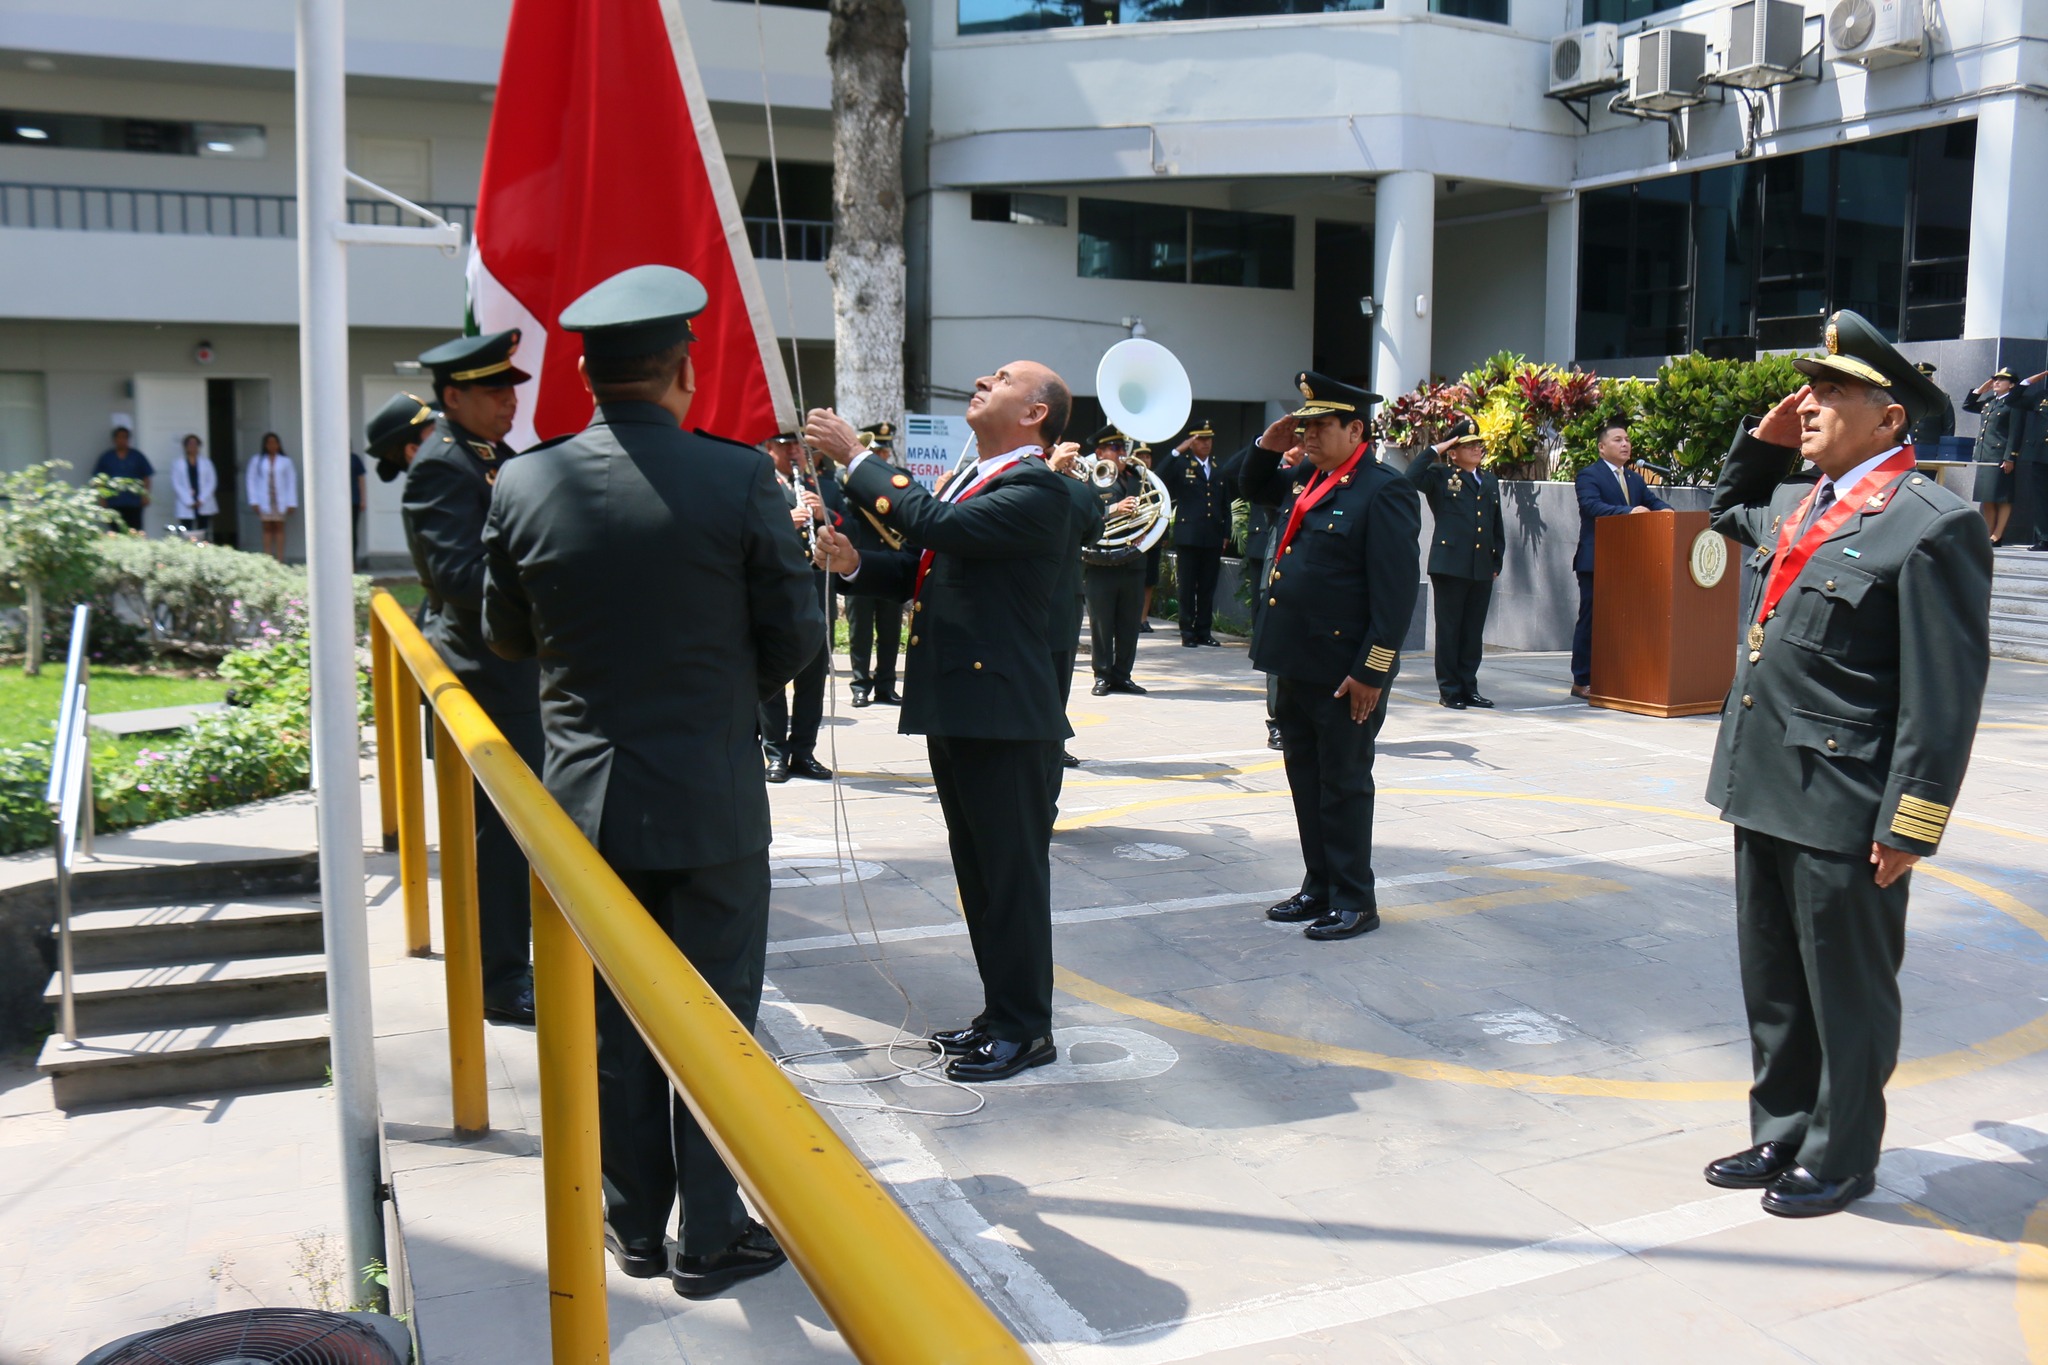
(1665, 598)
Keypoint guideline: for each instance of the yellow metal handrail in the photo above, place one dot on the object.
(889, 1291)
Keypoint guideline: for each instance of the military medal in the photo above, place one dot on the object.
(1455, 484)
(1756, 635)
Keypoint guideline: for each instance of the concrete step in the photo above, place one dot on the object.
(218, 990)
(110, 1067)
(141, 935)
(2010, 647)
(2029, 628)
(2006, 601)
(2019, 562)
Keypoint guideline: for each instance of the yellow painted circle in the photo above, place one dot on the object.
(2020, 1042)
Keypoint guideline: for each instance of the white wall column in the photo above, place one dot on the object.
(1561, 278)
(1404, 276)
(2008, 289)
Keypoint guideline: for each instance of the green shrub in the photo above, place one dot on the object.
(50, 533)
(1684, 420)
(176, 596)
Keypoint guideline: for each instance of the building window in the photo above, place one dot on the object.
(1754, 256)
(1492, 11)
(1127, 241)
(1622, 11)
(163, 137)
(1016, 16)
(24, 437)
(1032, 210)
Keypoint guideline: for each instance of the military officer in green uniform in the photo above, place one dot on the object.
(1866, 642)
(1346, 568)
(655, 574)
(1465, 554)
(395, 433)
(447, 496)
(1938, 421)
(1998, 424)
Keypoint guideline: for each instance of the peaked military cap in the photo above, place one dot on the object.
(1463, 432)
(1109, 435)
(485, 361)
(405, 418)
(1925, 367)
(1855, 351)
(1322, 395)
(1201, 428)
(2005, 373)
(879, 434)
(637, 312)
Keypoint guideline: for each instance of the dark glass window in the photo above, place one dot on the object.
(1123, 241)
(163, 137)
(1753, 256)
(1035, 210)
(1622, 11)
(1255, 250)
(1013, 16)
(1493, 11)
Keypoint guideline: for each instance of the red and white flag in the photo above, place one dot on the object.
(602, 156)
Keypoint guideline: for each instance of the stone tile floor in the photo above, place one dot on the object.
(1474, 1135)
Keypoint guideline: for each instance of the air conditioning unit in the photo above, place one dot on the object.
(1876, 32)
(1670, 64)
(1765, 41)
(1587, 60)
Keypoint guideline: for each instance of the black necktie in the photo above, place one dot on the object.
(1822, 501)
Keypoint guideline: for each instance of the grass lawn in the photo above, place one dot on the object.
(28, 706)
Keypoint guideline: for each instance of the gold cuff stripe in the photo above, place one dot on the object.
(1916, 829)
(464, 376)
(1928, 810)
(1379, 659)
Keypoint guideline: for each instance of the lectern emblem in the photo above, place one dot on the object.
(1709, 558)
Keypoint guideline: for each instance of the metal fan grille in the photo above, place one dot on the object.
(259, 1336)
(1566, 58)
(1851, 22)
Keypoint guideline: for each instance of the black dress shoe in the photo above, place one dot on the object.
(637, 1260)
(958, 1042)
(1800, 1194)
(1273, 740)
(1752, 1168)
(753, 1252)
(862, 698)
(1343, 924)
(512, 1007)
(1067, 760)
(999, 1059)
(1144, 627)
(1189, 644)
(1210, 640)
(1474, 699)
(887, 696)
(1296, 908)
(2038, 548)
(807, 765)
(1454, 703)
(1102, 688)
(778, 767)
(1126, 686)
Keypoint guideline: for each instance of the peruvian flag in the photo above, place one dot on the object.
(602, 157)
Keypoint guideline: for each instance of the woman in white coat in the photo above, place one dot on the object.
(273, 492)
(194, 486)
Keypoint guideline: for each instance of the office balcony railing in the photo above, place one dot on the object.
(220, 213)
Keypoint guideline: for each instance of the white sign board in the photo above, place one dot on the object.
(932, 445)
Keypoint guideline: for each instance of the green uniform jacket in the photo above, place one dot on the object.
(1853, 723)
(1998, 425)
(1467, 506)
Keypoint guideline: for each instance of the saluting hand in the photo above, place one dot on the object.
(1364, 699)
(835, 552)
(1891, 863)
(1782, 425)
(1280, 435)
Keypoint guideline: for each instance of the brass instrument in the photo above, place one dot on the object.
(1145, 392)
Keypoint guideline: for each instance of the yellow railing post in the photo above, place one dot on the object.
(565, 1009)
(412, 813)
(462, 953)
(383, 663)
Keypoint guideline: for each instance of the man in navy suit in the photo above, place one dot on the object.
(1607, 488)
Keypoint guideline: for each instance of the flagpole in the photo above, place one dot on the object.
(330, 563)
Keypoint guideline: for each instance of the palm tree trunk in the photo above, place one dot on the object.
(866, 48)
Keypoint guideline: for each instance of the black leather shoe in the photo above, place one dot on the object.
(1067, 760)
(1454, 703)
(1800, 1194)
(862, 698)
(1296, 908)
(1753, 1167)
(753, 1252)
(1210, 640)
(637, 1260)
(1144, 627)
(778, 767)
(2038, 548)
(1343, 924)
(1189, 644)
(807, 765)
(999, 1059)
(513, 1007)
(1474, 699)
(1273, 740)
(1126, 686)
(887, 696)
(1101, 688)
(958, 1042)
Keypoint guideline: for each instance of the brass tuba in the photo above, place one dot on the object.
(1145, 391)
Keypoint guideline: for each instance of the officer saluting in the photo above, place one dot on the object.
(1338, 601)
(1464, 558)
(657, 575)
(1842, 747)
(447, 495)
(1201, 494)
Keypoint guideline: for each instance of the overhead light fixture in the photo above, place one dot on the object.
(33, 134)
(407, 369)
(220, 146)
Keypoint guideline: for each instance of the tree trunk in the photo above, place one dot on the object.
(32, 630)
(866, 48)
